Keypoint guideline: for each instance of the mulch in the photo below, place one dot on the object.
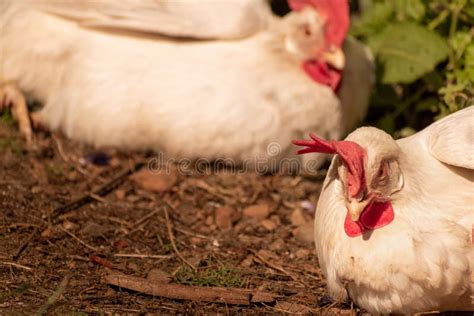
(100, 232)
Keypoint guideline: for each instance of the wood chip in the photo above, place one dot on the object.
(156, 181)
(258, 211)
(223, 217)
(305, 233)
(297, 218)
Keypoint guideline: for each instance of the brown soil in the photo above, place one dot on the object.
(238, 230)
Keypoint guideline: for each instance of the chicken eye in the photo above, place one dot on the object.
(383, 171)
(307, 30)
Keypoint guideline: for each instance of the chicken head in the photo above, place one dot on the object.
(326, 63)
(369, 170)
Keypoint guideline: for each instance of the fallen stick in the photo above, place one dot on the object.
(193, 293)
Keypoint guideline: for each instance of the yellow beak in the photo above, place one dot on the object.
(355, 208)
(335, 57)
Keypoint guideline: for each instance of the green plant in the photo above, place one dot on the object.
(425, 57)
(209, 275)
(6, 118)
(13, 144)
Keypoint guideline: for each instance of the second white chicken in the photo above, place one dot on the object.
(107, 79)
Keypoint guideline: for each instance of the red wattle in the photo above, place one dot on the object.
(374, 216)
(322, 73)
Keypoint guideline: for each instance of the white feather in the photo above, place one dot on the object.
(193, 99)
(424, 259)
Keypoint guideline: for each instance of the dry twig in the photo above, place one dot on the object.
(16, 265)
(194, 293)
(141, 256)
(170, 233)
(78, 239)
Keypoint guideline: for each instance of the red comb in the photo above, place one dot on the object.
(336, 13)
(352, 155)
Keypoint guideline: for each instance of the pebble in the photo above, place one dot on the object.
(305, 234)
(155, 181)
(258, 211)
(302, 253)
(268, 224)
(223, 217)
(297, 218)
(120, 194)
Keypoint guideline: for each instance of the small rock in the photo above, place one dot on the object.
(308, 206)
(156, 181)
(297, 218)
(93, 230)
(258, 211)
(133, 266)
(69, 225)
(302, 253)
(157, 275)
(247, 262)
(98, 158)
(324, 301)
(223, 217)
(209, 221)
(114, 162)
(267, 254)
(72, 176)
(47, 233)
(278, 244)
(121, 244)
(305, 233)
(120, 194)
(133, 198)
(36, 189)
(196, 241)
(268, 224)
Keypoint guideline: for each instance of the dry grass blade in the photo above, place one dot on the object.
(141, 256)
(173, 244)
(55, 296)
(16, 265)
(78, 239)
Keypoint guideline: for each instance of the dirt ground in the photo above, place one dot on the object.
(71, 215)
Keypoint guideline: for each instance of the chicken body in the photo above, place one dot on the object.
(189, 98)
(424, 259)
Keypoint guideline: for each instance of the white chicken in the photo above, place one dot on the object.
(208, 79)
(393, 222)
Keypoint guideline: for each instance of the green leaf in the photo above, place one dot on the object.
(373, 20)
(459, 42)
(409, 9)
(469, 56)
(407, 51)
(387, 123)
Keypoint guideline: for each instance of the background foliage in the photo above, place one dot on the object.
(425, 59)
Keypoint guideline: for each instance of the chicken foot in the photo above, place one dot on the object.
(12, 97)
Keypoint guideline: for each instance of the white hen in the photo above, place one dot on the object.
(394, 219)
(229, 85)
